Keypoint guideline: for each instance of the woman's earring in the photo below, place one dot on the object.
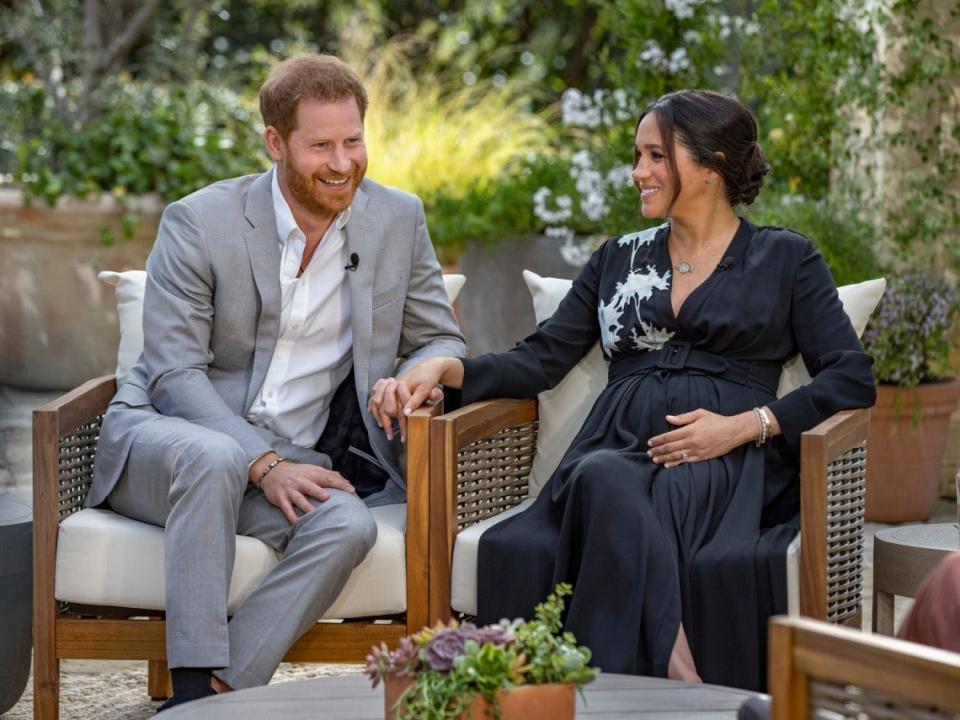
(709, 181)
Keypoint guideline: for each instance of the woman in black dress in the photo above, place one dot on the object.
(671, 511)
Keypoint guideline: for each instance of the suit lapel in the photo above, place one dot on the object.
(360, 239)
(263, 246)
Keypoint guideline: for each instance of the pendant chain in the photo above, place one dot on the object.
(685, 266)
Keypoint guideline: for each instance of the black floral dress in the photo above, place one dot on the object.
(704, 543)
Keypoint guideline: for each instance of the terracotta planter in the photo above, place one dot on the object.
(908, 434)
(530, 702)
(58, 322)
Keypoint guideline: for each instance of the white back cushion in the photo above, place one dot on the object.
(129, 291)
(563, 409)
(130, 285)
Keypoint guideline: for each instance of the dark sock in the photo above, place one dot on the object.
(189, 684)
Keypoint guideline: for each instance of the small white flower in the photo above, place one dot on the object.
(678, 61)
(576, 253)
(620, 177)
(652, 54)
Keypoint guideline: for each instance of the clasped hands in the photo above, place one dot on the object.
(398, 397)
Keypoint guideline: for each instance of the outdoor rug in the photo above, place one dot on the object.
(122, 694)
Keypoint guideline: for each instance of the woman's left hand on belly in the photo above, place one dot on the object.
(701, 435)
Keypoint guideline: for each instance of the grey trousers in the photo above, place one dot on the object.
(193, 482)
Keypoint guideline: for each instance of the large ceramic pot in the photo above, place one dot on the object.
(908, 434)
(529, 702)
(58, 322)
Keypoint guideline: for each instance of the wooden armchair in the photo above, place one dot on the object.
(64, 439)
(481, 455)
(821, 671)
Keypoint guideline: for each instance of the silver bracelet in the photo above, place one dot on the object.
(764, 426)
(270, 466)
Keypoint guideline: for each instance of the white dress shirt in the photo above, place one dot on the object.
(313, 355)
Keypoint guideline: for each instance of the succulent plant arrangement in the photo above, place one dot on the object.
(451, 665)
(909, 335)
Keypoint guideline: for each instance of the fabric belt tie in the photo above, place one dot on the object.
(679, 355)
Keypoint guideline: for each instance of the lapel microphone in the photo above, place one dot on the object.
(726, 263)
(354, 263)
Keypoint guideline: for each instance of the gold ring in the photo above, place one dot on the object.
(683, 455)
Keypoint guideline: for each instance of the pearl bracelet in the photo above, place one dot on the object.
(270, 466)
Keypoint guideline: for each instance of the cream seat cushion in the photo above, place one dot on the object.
(104, 558)
(564, 408)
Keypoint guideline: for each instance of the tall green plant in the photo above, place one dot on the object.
(438, 138)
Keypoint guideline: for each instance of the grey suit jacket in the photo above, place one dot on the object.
(211, 318)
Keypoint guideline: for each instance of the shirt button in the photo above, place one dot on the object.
(270, 394)
(296, 326)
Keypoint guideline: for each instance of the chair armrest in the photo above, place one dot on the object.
(833, 490)
(819, 670)
(65, 434)
(484, 452)
(418, 514)
(480, 459)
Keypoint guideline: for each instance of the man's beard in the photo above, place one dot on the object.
(304, 189)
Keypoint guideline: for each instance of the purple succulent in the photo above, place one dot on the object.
(404, 661)
(445, 646)
(493, 634)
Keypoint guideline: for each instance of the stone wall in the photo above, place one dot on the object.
(495, 306)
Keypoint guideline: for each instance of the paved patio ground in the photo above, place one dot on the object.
(116, 690)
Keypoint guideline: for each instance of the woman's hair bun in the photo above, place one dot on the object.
(743, 187)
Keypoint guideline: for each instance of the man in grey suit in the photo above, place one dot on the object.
(265, 294)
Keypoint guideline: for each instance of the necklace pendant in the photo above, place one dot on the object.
(684, 267)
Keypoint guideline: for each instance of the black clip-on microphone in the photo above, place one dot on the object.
(726, 263)
(354, 262)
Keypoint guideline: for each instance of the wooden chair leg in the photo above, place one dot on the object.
(883, 609)
(46, 682)
(159, 683)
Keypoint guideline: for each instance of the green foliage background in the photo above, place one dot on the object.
(178, 110)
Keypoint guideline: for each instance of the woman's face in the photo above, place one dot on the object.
(652, 174)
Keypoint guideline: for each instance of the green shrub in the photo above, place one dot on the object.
(171, 141)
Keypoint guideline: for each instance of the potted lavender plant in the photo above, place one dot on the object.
(910, 340)
(512, 670)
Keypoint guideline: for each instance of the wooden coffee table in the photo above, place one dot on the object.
(609, 697)
(902, 557)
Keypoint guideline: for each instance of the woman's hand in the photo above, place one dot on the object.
(702, 435)
(398, 397)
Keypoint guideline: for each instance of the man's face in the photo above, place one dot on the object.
(324, 159)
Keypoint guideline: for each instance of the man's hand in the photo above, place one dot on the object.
(289, 485)
(398, 397)
(701, 435)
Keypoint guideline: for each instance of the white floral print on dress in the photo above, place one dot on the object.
(637, 287)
